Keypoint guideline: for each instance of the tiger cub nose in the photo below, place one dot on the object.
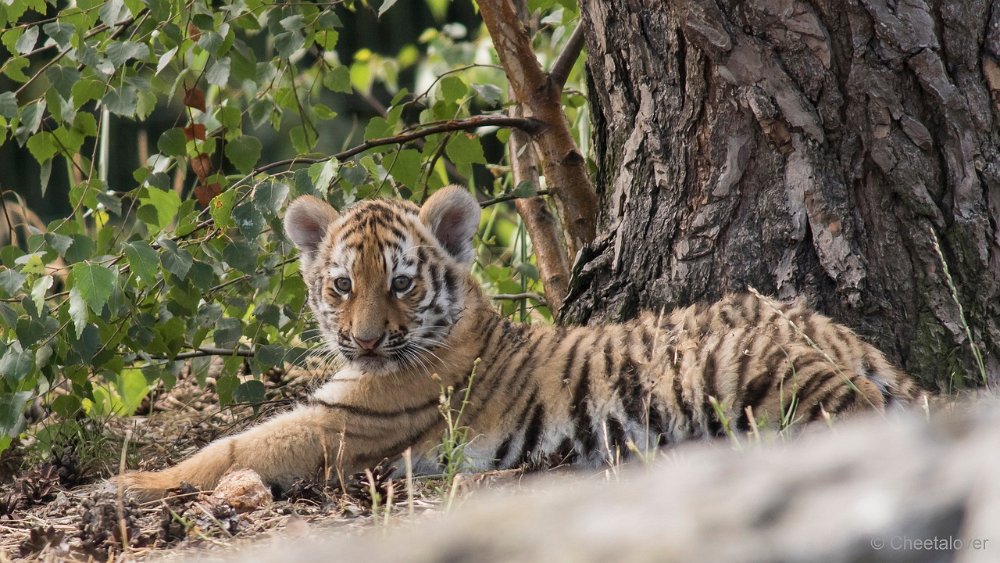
(368, 344)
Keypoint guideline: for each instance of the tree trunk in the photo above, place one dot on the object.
(815, 148)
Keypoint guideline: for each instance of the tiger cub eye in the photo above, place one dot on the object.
(342, 285)
(401, 283)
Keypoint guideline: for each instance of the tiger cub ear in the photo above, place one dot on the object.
(453, 216)
(306, 221)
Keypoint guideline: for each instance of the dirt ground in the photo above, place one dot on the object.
(61, 507)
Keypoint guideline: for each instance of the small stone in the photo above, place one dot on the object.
(243, 490)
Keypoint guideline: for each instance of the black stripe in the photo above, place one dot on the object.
(818, 380)
(629, 391)
(449, 281)
(715, 426)
(749, 309)
(498, 363)
(356, 410)
(564, 454)
(682, 405)
(583, 425)
(501, 367)
(647, 341)
(616, 436)
(657, 424)
(501, 452)
(757, 390)
(570, 359)
(726, 317)
(746, 353)
(532, 434)
(395, 449)
(847, 400)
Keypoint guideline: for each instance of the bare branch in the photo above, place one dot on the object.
(475, 122)
(518, 297)
(513, 196)
(209, 351)
(567, 58)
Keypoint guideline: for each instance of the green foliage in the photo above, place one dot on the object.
(189, 259)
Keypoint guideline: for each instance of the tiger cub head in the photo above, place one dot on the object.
(387, 279)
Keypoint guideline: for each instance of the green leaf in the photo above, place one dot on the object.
(248, 220)
(338, 80)
(66, 406)
(270, 196)
(78, 311)
(405, 167)
(377, 128)
(244, 152)
(111, 11)
(10, 281)
(172, 142)
(12, 412)
(60, 32)
(31, 119)
(221, 209)
(175, 260)
(26, 43)
(288, 42)
(241, 256)
(39, 289)
(228, 332)
(386, 4)
(63, 79)
(165, 59)
(87, 90)
(124, 51)
(453, 88)
(95, 284)
(142, 261)
(225, 386)
(218, 72)
(17, 363)
(249, 392)
(132, 388)
(14, 68)
(490, 94)
(465, 149)
(159, 207)
(122, 101)
(8, 105)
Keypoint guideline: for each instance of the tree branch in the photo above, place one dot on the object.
(563, 165)
(518, 297)
(513, 196)
(567, 58)
(376, 105)
(209, 351)
(548, 242)
(475, 122)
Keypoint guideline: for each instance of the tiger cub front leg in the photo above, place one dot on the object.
(289, 446)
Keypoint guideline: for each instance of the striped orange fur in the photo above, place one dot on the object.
(389, 284)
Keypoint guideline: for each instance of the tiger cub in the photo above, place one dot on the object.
(389, 284)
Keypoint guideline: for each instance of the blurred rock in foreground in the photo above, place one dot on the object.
(875, 489)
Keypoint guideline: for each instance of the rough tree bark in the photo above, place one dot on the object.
(816, 148)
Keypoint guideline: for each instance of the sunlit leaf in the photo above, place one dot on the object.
(95, 284)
